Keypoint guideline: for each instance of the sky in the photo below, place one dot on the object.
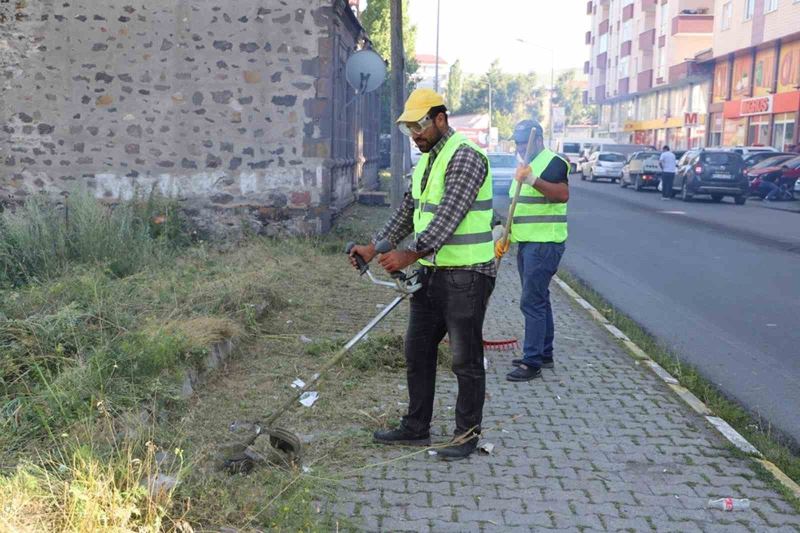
(478, 32)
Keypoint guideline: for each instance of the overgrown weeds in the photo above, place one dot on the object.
(40, 240)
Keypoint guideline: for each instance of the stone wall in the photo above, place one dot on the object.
(235, 108)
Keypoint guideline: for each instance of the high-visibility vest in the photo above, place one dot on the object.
(536, 219)
(471, 243)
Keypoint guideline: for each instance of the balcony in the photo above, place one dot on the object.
(625, 49)
(647, 40)
(589, 7)
(692, 24)
(588, 37)
(649, 6)
(644, 80)
(622, 87)
(602, 61)
(603, 28)
(627, 12)
(600, 94)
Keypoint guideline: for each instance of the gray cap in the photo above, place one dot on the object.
(522, 131)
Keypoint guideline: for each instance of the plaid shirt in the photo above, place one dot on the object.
(464, 177)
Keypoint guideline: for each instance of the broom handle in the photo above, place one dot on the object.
(513, 206)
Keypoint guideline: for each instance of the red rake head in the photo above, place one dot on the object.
(501, 346)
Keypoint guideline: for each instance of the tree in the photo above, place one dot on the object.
(376, 20)
(568, 95)
(455, 86)
(514, 97)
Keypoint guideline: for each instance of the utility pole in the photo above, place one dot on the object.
(398, 85)
(436, 78)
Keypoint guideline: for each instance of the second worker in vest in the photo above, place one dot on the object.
(539, 227)
(449, 210)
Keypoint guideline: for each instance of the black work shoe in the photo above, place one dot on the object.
(546, 363)
(401, 436)
(524, 373)
(456, 452)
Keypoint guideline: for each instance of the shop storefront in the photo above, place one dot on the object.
(680, 133)
(762, 120)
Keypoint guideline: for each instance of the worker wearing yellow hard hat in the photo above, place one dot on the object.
(448, 208)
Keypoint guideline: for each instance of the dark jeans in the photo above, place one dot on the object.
(452, 302)
(537, 263)
(768, 190)
(667, 178)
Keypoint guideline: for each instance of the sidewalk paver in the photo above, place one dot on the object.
(598, 444)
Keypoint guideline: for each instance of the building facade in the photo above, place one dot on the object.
(240, 111)
(425, 75)
(756, 65)
(646, 73)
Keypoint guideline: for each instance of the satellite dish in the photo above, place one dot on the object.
(365, 71)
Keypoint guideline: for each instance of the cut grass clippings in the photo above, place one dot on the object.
(753, 428)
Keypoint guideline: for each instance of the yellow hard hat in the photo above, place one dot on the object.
(419, 103)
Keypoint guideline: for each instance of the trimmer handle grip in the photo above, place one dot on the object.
(362, 265)
(383, 246)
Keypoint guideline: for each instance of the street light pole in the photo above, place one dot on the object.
(436, 78)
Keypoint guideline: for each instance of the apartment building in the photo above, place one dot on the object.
(649, 72)
(756, 62)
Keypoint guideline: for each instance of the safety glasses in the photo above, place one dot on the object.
(414, 128)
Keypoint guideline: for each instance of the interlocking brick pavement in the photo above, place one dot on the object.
(598, 444)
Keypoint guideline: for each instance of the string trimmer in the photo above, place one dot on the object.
(240, 457)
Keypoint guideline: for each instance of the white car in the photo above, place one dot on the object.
(744, 151)
(605, 165)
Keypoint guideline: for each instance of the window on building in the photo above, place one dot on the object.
(727, 16)
(665, 17)
(783, 132)
(602, 45)
(700, 97)
(627, 29)
(662, 63)
(623, 66)
(758, 133)
(749, 9)
(770, 6)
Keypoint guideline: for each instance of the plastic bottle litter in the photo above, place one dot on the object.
(729, 504)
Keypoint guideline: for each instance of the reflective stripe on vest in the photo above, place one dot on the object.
(471, 243)
(536, 219)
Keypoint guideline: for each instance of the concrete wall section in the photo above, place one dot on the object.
(221, 104)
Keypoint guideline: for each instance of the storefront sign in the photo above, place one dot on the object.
(690, 119)
(789, 67)
(756, 106)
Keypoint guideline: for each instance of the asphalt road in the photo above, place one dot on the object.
(717, 283)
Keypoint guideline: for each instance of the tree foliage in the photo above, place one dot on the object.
(568, 95)
(455, 86)
(514, 97)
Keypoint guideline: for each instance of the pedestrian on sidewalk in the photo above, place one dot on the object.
(448, 207)
(668, 168)
(540, 227)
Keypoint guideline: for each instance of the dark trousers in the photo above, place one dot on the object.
(667, 178)
(452, 302)
(537, 263)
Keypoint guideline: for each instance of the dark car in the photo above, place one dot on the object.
(783, 174)
(755, 158)
(712, 172)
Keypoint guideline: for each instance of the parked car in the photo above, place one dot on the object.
(784, 174)
(503, 166)
(606, 165)
(642, 170)
(769, 165)
(717, 173)
(757, 157)
(744, 151)
(574, 148)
